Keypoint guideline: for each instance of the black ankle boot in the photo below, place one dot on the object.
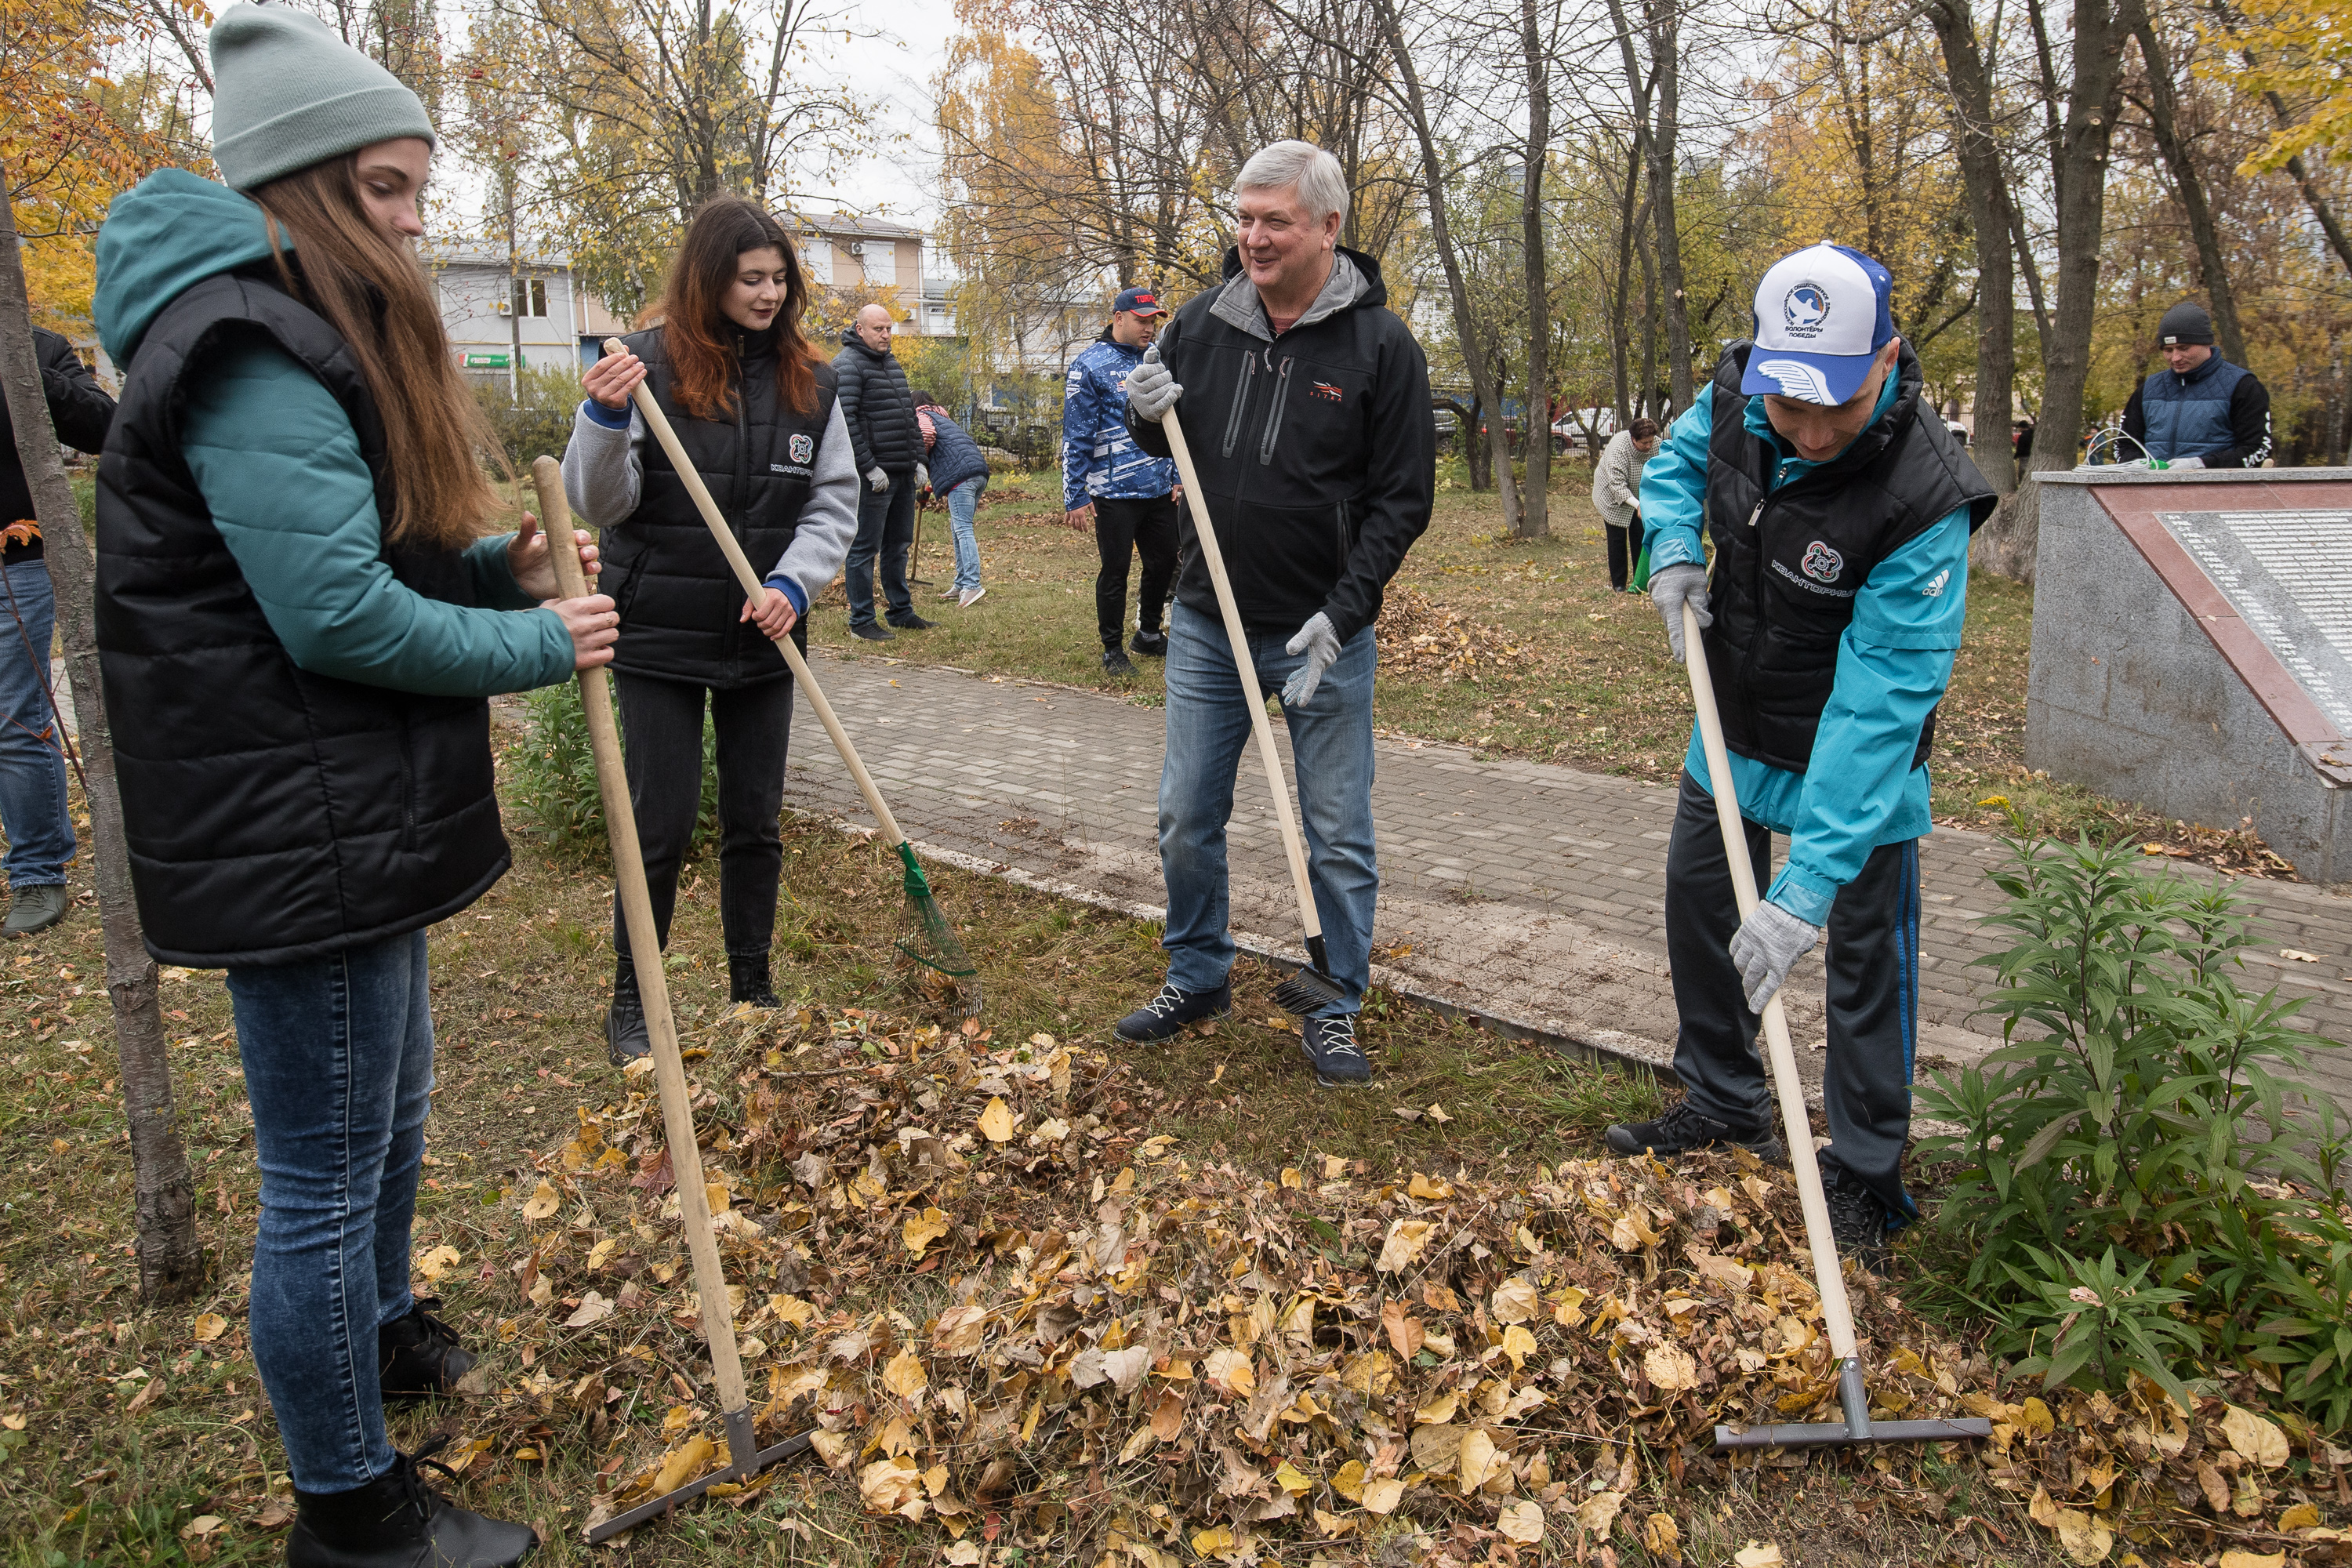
(625, 1038)
(418, 1355)
(747, 980)
(397, 1520)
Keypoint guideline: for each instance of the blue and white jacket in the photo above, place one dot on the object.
(1101, 461)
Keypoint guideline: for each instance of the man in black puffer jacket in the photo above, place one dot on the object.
(1308, 418)
(880, 413)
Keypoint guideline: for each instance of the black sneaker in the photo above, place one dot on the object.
(1151, 644)
(1682, 1129)
(397, 1520)
(747, 980)
(625, 1038)
(1330, 1048)
(1116, 662)
(419, 1356)
(912, 623)
(1858, 1222)
(871, 631)
(1161, 1017)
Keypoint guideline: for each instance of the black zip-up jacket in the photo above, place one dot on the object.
(877, 408)
(1315, 449)
(79, 411)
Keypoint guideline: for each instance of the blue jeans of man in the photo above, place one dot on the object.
(1331, 751)
(338, 1059)
(963, 501)
(32, 773)
(886, 527)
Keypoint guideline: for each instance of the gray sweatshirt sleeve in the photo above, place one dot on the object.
(828, 517)
(602, 472)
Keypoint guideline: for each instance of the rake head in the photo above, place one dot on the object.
(934, 945)
(1310, 990)
(1856, 1428)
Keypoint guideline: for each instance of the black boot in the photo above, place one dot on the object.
(419, 1355)
(397, 1520)
(625, 1026)
(747, 980)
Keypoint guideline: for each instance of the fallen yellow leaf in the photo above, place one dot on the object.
(996, 1124)
(1758, 1554)
(2085, 1536)
(1522, 1522)
(434, 1262)
(1662, 1536)
(1514, 1301)
(210, 1326)
(1407, 1239)
(682, 1464)
(1383, 1496)
(2302, 1516)
(921, 1231)
(1671, 1368)
(904, 1376)
(1348, 1480)
(2243, 1558)
(2255, 1438)
(543, 1201)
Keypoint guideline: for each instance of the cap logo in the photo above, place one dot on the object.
(1806, 310)
(1146, 300)
(1797, 379)
(1822, 563)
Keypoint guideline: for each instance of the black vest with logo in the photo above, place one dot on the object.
(678, 598)
(1789, 562)
(273, 815)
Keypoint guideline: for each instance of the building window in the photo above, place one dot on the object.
(531, 296)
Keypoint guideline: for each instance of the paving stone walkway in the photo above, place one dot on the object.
(1518, 892)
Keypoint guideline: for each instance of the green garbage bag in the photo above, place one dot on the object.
(1642, 570)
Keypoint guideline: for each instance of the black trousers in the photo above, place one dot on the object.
(1873, 998)
(886, 527)
(1148, 529)
(661, 735)
(1624, 549)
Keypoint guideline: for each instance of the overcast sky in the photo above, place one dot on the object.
(897, 66)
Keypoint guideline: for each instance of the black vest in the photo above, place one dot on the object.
(273, 815)
(678, 598)
(1789, 562)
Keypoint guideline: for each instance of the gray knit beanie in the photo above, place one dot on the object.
(288, 93)
(2186, 322)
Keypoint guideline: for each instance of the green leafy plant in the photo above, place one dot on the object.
(2075, 1316)
(533, 417)
(552, 774)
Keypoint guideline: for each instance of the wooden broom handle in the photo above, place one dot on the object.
(659, 423)
(646, 957)
(1828, 1276)
(1246, 667)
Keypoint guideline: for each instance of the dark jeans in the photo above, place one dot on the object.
(1624, 549)
(1873, 998)
(32, 773)
(338, 1059)
(886, 527)
(1147, 528)
(661, 733)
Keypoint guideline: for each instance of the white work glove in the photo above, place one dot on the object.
(1670, 588)
(2186, 463)
(1318, 639)
(1766, 945)
(876, 481)
(1151, 389)
(923, 476)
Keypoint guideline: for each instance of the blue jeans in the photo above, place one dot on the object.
(962, 502)
(886, 527)
(32, 771)
(339, 1068)
(1208, 739)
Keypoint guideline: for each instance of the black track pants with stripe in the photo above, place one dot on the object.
(1872, 961)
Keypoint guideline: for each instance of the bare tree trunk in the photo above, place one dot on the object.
(1666, 63)
(1621, 301)
(1535, 515)
(1441, 233)
(2163, 115)
(171, 1253)
(1979, 154)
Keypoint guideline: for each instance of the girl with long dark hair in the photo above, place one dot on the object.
(299, 621)
(753, 406)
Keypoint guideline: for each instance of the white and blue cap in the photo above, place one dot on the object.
(1821, 317)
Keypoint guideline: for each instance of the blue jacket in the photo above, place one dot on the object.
(955, 455)
(2219, 413)
(1893, 661)
(1101, 461)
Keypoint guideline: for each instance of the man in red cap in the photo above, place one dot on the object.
(1114, 486)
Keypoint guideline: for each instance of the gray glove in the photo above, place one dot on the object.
(1670, 588)
(1151, 389)
(876, 481)
(923, 476)
(2186, 463)
(1318, 639)
(1764, 947)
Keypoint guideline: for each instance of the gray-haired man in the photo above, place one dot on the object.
(1309, 423)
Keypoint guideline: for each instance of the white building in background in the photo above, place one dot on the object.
(848, 253)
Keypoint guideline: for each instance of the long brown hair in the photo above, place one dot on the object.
(373, 291)
(696, 335)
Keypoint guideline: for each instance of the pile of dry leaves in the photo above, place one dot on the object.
(1419, 635)
(1013, 1314)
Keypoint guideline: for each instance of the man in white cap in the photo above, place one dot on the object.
(1840, 509)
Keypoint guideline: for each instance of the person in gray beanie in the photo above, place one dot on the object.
(300, 621)
(2199, 411)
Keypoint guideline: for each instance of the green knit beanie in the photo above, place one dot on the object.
(288, 93)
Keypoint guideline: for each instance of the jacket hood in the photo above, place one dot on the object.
(1354, 280)
(161, 239)
(1373, 291)
(850, 339)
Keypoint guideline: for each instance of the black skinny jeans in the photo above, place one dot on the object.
(661, 734)
(1624, 551)
(1147, 528)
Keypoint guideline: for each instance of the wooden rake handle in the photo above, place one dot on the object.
(754, 588)
(1828, 1276)
(646, 957)
(1246, 667)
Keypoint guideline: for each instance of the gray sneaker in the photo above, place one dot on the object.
(36, 907)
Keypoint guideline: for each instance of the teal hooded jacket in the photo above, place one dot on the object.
(279, 465)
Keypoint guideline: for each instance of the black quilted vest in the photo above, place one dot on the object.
(273, 815)
(1789, 562)
(678, 598)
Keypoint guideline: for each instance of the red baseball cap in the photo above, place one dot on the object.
(1142, 300)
